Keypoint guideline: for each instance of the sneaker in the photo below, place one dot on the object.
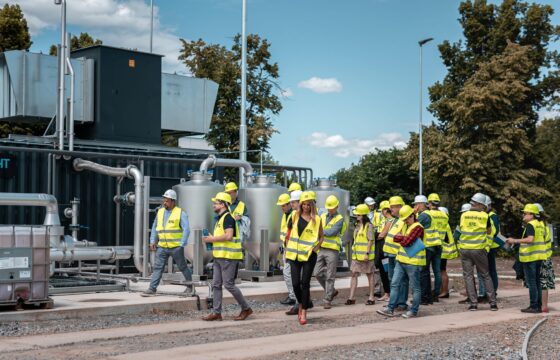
(327, 305)
(288, 301)
(494, 307)
(473, 307)
(531, 311)
(409, 314)
(212, 317)
(244, 314)
(385, 312)
(149, 292)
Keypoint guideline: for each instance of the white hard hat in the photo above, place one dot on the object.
(295, 195)
(170, 194)
(444, 209)
(420, 199)
(488, 200)
(465, 207)
(541, 209)
(369, 201)
(479, 198)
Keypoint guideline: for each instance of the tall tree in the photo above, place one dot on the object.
(547, 143)
(14, 32)
(222, 65)
(83, 41)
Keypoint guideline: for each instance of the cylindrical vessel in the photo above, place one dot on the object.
(194, 197)
(261, 197)
(327, 187)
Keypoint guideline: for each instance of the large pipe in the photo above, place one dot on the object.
(71, 106)
(130, 199)
(212, 161)
(243, 125)
(84, 254)
(132, 172)
(25, 199)
(61, 68)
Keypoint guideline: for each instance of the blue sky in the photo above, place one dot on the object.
(350, 68)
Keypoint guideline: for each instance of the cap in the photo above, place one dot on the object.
(170, 194)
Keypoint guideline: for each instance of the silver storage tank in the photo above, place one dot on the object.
(261, 197)
(24, 265)
(326, 187)
(194, 197)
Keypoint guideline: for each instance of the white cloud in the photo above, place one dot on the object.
(121, 23)
(548, 114)
(344, 148)
(321, 86)
(287, 93)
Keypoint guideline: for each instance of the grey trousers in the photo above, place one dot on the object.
(286, 271)
(225, 272)
(479, 259)
(325, 271)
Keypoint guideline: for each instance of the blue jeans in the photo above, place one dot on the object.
(402, 271)
(493, 274)
(433, 259)
(532, 271)
(162, 255)
(403, 285)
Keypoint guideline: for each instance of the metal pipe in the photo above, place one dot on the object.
(243, 126)
(75, 213)
(26, 199)
(129, 199)
(61, 65)
(151, 23)
(71, 106)
(84, 254)
(145, 227)
(130, 171)
(212, 162)
(118, 220)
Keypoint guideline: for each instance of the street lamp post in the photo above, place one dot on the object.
(421, 43)
(243, 126)
(151, 24)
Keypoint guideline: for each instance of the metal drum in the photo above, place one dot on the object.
(261, 197)
(327, 187)
(194, 197)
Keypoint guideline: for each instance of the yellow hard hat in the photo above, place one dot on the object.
(361, 209)
(231, 186)
(405, 212)
(396, 200)
(222, 196)
(531, 209)
(294, 187)
(283, 199)
(384, 205)
(307, 195)
(331, 202)
(433, 197)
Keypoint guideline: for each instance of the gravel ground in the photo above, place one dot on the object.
(473, 343)
(544, 344)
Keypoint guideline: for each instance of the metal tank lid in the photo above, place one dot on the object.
(326, 183)
(199, 176)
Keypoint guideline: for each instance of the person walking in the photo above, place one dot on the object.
(286, 271)
(532, 252)
(170, 232)
(380, 258)
(363, 254)
(448, 252)
(228, 254)
(474, 227)
(547, 270)
(284, 203)
(334, 228)
(305, 234)
(494, 246)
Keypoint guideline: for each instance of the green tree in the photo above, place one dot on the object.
(83, 41)
(380, 174)
(547, 143)
(14, 32)
(222, 65)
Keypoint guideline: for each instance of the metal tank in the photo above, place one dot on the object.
(194, 197)
(261, 197)
(326, 187)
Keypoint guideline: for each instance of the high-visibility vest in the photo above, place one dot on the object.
(284, 225)
(332, 242)
(227, 249)
(493, 244)
(170, 233)
(360, 245)
(300, 246)
(381, 223)
(473, 230)
(390, 246)
(239, 209)
(420, 258)
(449, 250)
(547, 240)
(434, 235)
(535, 250)
(376, 218)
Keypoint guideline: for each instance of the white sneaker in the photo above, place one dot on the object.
(409, 314)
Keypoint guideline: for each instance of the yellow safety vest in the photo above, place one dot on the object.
(300, 246)
(169, 234)
(376, 218)
(548, 240)
(239, 209)
(391, 247)
(381, 223)
(420, 258)
(227, 249)
(284, 225)
(473, 230)
(332, 242)
(434, 235)
(535, 250)
(493, 244)
(360, 245)
(449, 250)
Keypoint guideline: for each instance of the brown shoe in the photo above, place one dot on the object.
(212, 317)
(244, 314)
